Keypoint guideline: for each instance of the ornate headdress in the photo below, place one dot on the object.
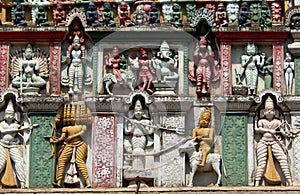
(10, 108)
(269, 104)
(206, 115)
(164, 46)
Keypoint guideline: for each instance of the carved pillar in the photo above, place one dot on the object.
(4, 58)
(226, 67)
(41, 166)
(234, 149)
(278, 67)
(54, 68)
(294, 153)
(104, 150)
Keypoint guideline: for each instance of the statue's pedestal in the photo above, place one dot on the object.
(240, 90)
(30, 91)
(165, 87)
(138, 175)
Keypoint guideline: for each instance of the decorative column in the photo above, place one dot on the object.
(104, 150)
(4, 58)
(41, 165)
(54, 68)
(225, 55)
(278, 67)
(234, 149)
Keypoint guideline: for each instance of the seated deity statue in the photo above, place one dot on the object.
(271, 145)
(108, 16)
(221, 16)
(59, 15)
(92, 15)
(232, 12)
(31, 69)
(19, 16)
(11, 157)
(41, 17)
(167, 10)
(139, 16)
(124, 15)
(204, 135)
(255, 10)
(276, 11)
(244, 15)
(176, 20)
(154, 15)
(265, 16)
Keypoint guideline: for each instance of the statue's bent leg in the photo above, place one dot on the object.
(81, 155)
(63, 159)
(18, 160)
(281, 157)
(261, 154)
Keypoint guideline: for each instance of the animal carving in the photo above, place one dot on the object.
(213, 161)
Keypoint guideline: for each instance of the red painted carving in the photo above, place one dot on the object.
(54, 68)
(226, 67)
(4, 54)
(278, 67)
(104, 138)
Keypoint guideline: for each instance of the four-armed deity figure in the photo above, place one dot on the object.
(252, 60)
(271, 144)
(10, 152)
(204, 135)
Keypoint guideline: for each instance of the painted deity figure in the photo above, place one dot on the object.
(165, 64)
(146, 73)
(59, 15)
(92, 15)
(276, 11)
(252, 60)
(255, 9)
(204, 135)
(76, 29)
(70, 145)
(19, 16)
(221, 16)
(108, 16)
(265, 16)
(41, 17)
(203, 69)
(154, 15)
(139, 16)
(289, 68)
(271, 145)
(113, 63)
(29, 73)
(167, 9)
(267, 71)
(176, 19)
(124, 15)
(190, 9)
(232, 12)
(244, 15)
(10, 153)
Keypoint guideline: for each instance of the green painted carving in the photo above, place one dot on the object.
(95, 69)
(297, 73)
(41, 167)
(234, 149)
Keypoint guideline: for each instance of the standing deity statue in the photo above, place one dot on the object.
(204, 136)
(19, 16)
(252, 60)
(113, 63)
(154, 15)
(265, 16)
(176, 19)
(271, 144)
(11, 131)
(73, 122)
(276, 11)
(289, 68)
(232, 12)
(27, 71)
(92, 15)
(244, 15)
(267, 71)
(221, 16)
(146, 73)
(203, 70)
(108, 16)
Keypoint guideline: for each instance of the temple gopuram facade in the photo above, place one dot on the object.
(149, 96)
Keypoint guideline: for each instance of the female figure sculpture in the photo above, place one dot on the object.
(289, 68)
(270, 145)
(252, 60)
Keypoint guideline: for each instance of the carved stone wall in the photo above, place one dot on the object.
(4, 55)
(41, 173)
(54, 68)
(226, 67)
(278, 67)
(234, 149)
